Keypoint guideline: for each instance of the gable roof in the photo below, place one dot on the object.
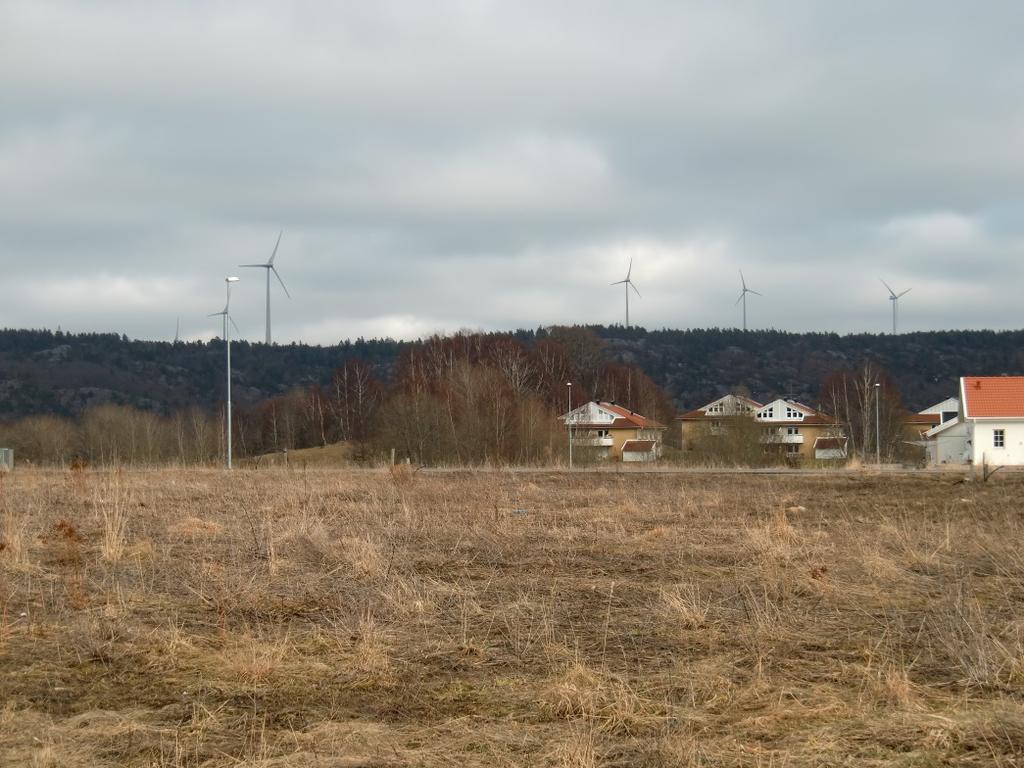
(992, 397)
(638, 446)
(830, 443)
(702, 412)
(949, 404)
(623, 418)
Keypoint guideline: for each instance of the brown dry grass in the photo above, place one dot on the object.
(364, 618)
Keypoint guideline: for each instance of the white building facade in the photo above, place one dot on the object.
(992, 412)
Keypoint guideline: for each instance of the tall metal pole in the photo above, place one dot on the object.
(878, 433)
(227, 339)
(894, 316)
(268, 307)
(627, 305)
(744, 309)
(568, 416)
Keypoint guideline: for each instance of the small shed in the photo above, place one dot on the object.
(6, 459)
(830, 448)
(640, 450)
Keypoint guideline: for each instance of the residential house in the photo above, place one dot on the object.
(992, 410)
(712, 418)
(800, 431)
(614, 432)
(787, 426)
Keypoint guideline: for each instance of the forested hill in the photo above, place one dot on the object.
(695, 366)
(60, 373)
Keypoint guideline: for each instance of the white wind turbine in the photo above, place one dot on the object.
(629, 284)
(743, 298)
(269, 266)
(895, 299)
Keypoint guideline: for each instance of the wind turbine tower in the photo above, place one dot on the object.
(895, 299)
(629, 284)
(743, 298)
(269, 266)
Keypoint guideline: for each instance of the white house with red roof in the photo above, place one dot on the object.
(614, 432)
(992, 410)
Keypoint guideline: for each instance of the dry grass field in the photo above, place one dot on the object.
(346, 618)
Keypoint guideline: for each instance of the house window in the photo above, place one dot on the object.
(716, 424)
(998, 438)
(792, 413)
(792, 449)
(602, 433)
(792, 430)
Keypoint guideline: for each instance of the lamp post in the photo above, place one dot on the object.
(227, 339)
(568, 420)
(878, 433)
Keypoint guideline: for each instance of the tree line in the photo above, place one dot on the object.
(468, 398)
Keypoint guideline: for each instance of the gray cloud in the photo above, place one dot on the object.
(492, 164)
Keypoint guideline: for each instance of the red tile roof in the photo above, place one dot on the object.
(696, 413)
(987, 397)
(923, 418)
(631, 419)
(830, 443)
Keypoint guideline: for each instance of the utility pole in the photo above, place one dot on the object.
(227, 339)
(568, 416)
(878, 433)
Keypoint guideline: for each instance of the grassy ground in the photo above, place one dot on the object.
(333, 618)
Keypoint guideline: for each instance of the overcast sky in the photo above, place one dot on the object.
(494, 165)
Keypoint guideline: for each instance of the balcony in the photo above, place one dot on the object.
(592, 441)
(783, 439)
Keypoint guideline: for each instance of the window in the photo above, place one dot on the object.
(716, 424)
(792, 449)
(793, 413)
(602, 433)
(998, 438)
(792, 430)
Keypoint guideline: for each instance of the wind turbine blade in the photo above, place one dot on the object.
(618, 282)
(751, 290)
(892, 293)
(630, 270)
(905, 292)
(634, 288)
(234, 324)
(742, 281)
(265, 266)
(742, 294)
(215, 314)
(274, 270)
(271, 262)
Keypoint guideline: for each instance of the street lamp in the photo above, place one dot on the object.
(878, 433)
(227, 338)
(568, 420)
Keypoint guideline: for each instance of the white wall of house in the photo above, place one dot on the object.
(983, 442)
(590, 413)
(635, 456)
(782, 410)
(949, 446)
